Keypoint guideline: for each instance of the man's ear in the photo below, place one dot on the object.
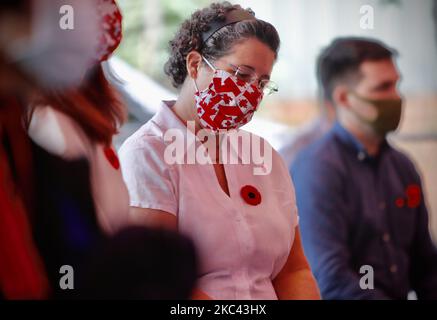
(194, 60)
(341, 96)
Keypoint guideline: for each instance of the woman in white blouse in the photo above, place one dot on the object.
(240, 214)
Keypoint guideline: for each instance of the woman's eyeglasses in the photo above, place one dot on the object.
(248, 75)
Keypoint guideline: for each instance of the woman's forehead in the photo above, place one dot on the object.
(254, 54)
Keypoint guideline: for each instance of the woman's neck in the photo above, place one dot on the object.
(184, 110)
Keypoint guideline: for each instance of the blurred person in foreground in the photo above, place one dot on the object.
(31, 58)
(57, 186)
(363, 215)
(80, 122)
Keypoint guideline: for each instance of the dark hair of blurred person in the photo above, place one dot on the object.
(340, 62)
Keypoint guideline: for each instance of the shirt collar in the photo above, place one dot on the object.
(165, 118)
(354, 144)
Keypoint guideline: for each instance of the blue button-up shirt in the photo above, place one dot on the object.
(363, 213)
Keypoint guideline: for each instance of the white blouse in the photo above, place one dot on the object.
(241, 247)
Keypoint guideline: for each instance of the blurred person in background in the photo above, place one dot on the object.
(245, 226)
(361, 201)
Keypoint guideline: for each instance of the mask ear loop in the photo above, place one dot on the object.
(195, 86)
(209, 65)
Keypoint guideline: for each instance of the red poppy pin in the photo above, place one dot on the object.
(251, 195)
(112, 157)
(413, 197)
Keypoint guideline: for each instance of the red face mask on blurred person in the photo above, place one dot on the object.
(111, 29)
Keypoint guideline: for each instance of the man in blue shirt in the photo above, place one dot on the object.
(363, 218)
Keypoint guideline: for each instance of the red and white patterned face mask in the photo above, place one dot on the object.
(110, 23)
(227, 103)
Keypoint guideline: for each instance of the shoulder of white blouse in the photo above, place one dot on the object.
(141, 148)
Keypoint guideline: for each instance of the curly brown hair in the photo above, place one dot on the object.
(189, 38)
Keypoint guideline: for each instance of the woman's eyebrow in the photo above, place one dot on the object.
(247, 66)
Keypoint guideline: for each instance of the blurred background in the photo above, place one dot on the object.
(305, 27)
